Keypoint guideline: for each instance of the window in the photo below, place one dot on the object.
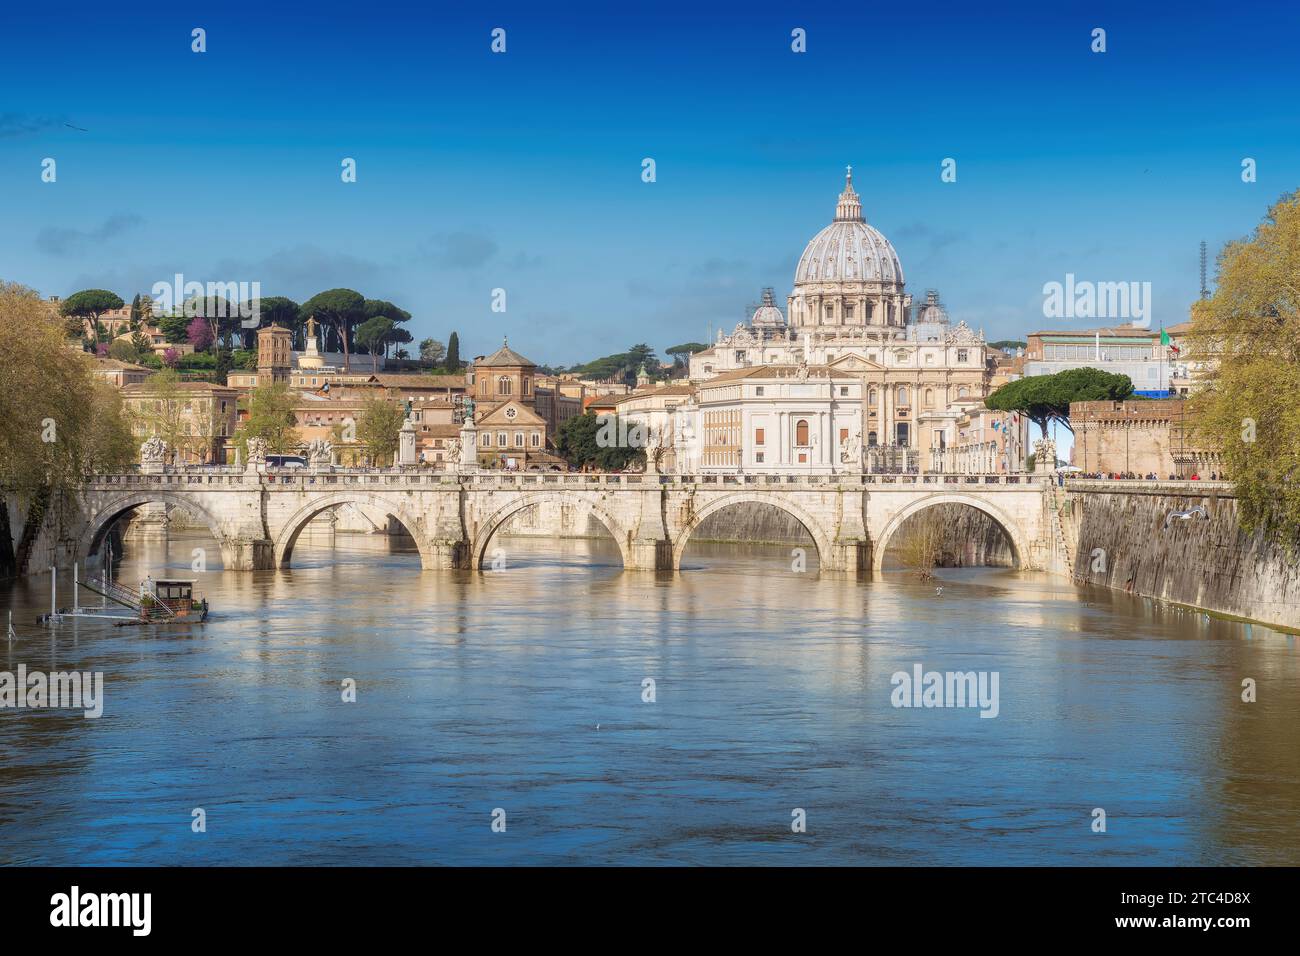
(901, 432)
(503, 385)
(961, 392)
(872, 398)
(758, 436)
(536, 439)
(519, 439)
(929, 398)
(486, 440)
(848, 312)
(758, 457)
(526, 385)
(501, 439)
(962, 354)
(829, 311)
(758, 391)
(844, 435)
(871, 439)
(844, 391)
(902, 395)
(801, 432)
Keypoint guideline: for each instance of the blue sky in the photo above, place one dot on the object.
(522, 170)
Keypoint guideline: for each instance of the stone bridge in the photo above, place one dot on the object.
(257, 516)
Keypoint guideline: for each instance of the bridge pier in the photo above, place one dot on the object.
(852, 557)
(248, 554)
(649, 554)
(446, 556)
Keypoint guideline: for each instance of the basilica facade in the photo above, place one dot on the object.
(849, 316)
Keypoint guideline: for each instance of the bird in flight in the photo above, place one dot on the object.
(70, 126)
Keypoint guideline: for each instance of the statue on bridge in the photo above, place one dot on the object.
(852, 453)
(256, 452)
(1044, 455)
(320, 452)
(153, 454)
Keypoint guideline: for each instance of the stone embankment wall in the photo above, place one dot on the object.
(1127, 538)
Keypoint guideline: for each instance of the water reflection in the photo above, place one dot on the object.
(485, 690)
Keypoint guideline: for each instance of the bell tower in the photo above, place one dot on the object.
(274, 354)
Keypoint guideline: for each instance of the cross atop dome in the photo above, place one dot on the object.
(849, 208)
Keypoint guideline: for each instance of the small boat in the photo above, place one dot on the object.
(173, 599)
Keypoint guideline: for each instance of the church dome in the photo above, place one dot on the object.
(767, 315)
(932, 311)
(849, 250)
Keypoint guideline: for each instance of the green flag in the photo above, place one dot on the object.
(1164, 337)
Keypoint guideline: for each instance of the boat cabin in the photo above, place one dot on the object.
(176, 593)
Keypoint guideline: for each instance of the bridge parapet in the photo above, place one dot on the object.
(281, 477)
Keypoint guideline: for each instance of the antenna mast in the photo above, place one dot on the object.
(1205, 293)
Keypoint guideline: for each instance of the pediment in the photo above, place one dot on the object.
(854, 362)
(511, 413)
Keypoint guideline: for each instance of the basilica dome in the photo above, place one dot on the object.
(849, 274)
(849, 250)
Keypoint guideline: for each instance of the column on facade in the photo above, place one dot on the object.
(882, 436)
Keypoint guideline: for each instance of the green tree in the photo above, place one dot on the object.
(372, 334)
(162, 412)
(1247, 336)
(432, 351)
(453, 353)
(124, 350)
(56, 423)
(175, 327)
(1044, 399)
(1007, 345)
(622, 366)
(274, 310)
(378, 427)
(578, 441)
(91, 304)
(682, 353)
(271, 416)
(339, 309)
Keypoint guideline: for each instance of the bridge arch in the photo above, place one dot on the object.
(490, 525)
(108, 513)
(1015, 534)
(287, 536)
(810, 524)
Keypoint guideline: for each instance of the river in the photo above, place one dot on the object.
(518, 695)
